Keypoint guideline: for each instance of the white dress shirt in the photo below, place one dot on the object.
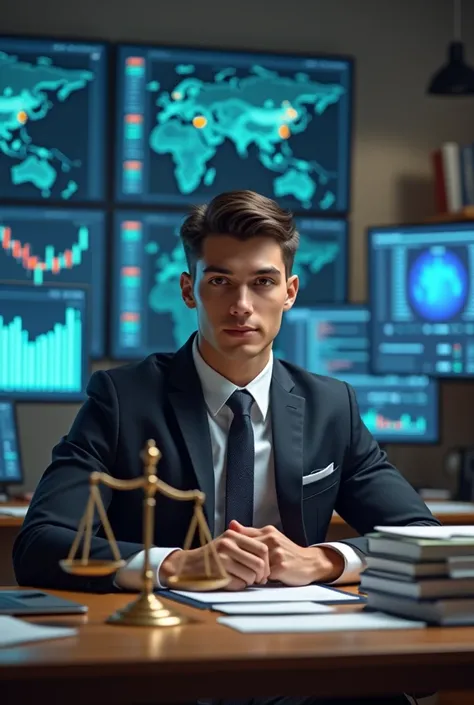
(217, 390)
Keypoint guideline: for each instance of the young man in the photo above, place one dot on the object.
(275, 449)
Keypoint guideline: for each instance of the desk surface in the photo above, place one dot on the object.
(123, 665)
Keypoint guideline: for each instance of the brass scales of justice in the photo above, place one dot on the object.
(147, 609)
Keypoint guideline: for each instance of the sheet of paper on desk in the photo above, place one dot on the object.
(439, 533)
(13, 511)
(351, 621)
(15, 631)
(273, 608)
(450, 507)
(306, 593)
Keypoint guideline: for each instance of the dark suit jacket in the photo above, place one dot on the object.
(315, 422)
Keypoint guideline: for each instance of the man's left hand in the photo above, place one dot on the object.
(292, 564)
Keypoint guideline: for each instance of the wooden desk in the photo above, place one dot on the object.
(9, 528)
(132, 665)
(338, 528)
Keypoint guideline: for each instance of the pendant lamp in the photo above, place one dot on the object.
(454, 78)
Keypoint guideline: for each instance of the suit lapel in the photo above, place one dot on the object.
(287, 411)
(187, 400)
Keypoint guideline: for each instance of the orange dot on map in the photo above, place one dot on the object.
(284, 132)
(22, 117)
(291, 112)
(199, 121)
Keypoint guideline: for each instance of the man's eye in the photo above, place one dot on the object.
(217, 281)
(264, 281)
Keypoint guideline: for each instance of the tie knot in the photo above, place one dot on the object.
(240, 402)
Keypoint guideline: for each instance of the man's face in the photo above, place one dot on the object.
(240, 292)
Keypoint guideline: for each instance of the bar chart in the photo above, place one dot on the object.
(43, 342)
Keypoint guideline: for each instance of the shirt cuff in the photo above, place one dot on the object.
(354, 562)
(129, 577)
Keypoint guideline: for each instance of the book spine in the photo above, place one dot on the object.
(467, 174)
(450, 152)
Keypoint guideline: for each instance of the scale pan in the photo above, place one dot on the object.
(199, 583)
(93, 568)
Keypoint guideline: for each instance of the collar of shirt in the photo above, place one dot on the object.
(217, 389)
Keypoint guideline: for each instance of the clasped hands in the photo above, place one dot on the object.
(255, 556)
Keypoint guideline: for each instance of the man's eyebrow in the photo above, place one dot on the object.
(216, 269)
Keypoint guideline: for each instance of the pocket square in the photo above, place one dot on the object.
(318, 474)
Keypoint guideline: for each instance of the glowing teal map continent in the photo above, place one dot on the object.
(26, 91)
(263, 109)
(165, 295)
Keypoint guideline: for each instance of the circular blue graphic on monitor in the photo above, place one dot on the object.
(438, 284)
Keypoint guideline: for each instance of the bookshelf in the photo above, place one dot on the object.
(466, 213)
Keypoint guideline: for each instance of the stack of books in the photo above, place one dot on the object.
(421, 572)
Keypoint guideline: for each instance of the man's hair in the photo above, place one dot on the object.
(243, 215)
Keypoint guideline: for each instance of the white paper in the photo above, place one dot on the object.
(13, 511)
(450, 507)
(16, 631)
(351, 621)
(306, 593)
(429, 532)
(274, 608)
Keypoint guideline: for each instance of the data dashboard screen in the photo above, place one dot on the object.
(148, 313)
(58, 245)
(195, 123)
(10, 461)
(334, 341)
(422, 299)
(43, 342)
(52, 120)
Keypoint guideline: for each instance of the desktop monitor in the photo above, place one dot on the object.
(334, 341)
(53, 128)
(148, 312)
(193, 123)
(46, 245)
(11, 471)
(43, 342)
(422, 299)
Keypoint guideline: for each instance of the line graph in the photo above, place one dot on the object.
(51, 261)
(47, 245)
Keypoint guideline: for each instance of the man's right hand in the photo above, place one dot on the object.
(245, 559)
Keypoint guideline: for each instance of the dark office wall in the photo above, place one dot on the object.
(397, 45)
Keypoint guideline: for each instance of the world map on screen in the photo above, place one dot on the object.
(29, 93)
(272, 121)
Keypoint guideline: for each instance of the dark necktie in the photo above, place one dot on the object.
(240, 460)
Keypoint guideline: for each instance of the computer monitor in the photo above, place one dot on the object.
(422, 299)
(334, 341)
(148, 312)
(43, 342)
(53, 127)
(46, 245)
(11, 470)
(193, 123)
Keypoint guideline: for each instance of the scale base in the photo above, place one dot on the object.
(147, 611)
